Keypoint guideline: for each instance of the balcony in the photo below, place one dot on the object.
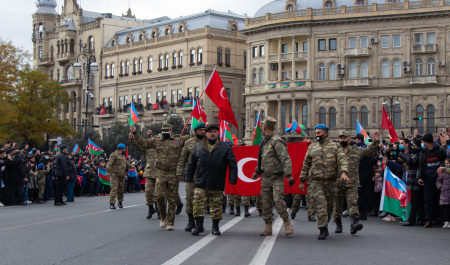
(65, 57)
(423, 80)
(71, 82)
(288, 84)
(356, 52)
(90, 109)
(273, 58)
(286, 56)
(105, 113)
(46, 61)
(301, 56)
(357, 82)
(424, 49)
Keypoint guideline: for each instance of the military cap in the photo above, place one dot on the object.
(166, 126)
(359, 136)
(344, 133)
(269, 121)
(121, 146)
(322, 127)
(212, 127)
(199, 126)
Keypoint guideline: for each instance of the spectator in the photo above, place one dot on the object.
(62, 174)
(16, 178)
(72, 179)
(443, 184)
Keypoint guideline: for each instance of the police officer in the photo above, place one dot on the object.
(323, 163)
(273, 165)
(200, 133)
(116, 170)
(353, 155)
(168, 149)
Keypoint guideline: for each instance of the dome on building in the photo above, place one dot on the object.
(46, 7)
(279, 6)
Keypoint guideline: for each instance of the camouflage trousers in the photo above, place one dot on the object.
(117, 188)
(258, 200)
(201, 196)
(166, 189)
(234, 200)
(273, 191)
(297, 198)
(150, 191)
(41, 186)
(189, 198)
(323, 194)
(351, 192)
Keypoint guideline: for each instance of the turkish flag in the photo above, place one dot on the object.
(155, 107)
(387, 124)
(198, 112)
(216, 92)
(247, 158)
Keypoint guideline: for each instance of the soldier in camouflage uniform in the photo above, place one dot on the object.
(323, 163)
(186, 153)
(41, 176)
(297, 199)
(353, 155)
(273, 165)
(168, 149)
(116, 169)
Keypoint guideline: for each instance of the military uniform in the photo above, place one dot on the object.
(149, 174)
(41, 176)
(297, 198)
(117, 168)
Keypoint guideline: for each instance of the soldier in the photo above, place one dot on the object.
(41, 176)
(231, 202)
(323, 162)
(117, 169)
(353, 155)
(168, 149)
(186, 153)
(273, 164)
(297, 198)
(209, 162)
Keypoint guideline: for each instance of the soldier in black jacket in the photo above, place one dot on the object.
(61, 173)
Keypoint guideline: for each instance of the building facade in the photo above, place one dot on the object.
(339, 62)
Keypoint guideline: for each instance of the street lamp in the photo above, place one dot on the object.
(91, 67)
(393, 101)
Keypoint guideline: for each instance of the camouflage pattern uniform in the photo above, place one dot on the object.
(149, 174)
(324, 162)
(167, 155)
(297, 198)
(117, 168)
(213, 197)
(41, 176)
(258, 200)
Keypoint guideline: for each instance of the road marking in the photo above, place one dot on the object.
(131, 206)
(264, 250)
(187, 253)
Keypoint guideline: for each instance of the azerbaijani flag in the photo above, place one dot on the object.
(225, 134)
(129, 108)
(394, 195)
(133, 116)
(360, 129)
(77, 149)
(187, 103)
(198, 115)
(256, 136)
(132, 173)
(294, 126)
(102, 177)
(56, 148)
(95, 150)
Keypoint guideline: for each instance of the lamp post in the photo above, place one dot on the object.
(91, 67)
(393, 101)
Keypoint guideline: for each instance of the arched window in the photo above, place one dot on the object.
(113, 43)
(41, 31)
(290, 8)
(359, 2)
(364, 117)
(255, 77)
(167, 32)
(353, 117)
(58, 48)
(128, 39)
(329, 4)
(364, 70)
(141, 37)
(91, 44)
(431, 66)
(283, 118)
(397, 68)
(419, 123)
(322, 116)
(332, 117)
(332, 72)
(305, 115)
(418, 70)
(430, 120)
(261, 76)
(322, 71)
(385, 69)
(153, 34)
(353, 70)
(233, 28)
(72, 46)
(113, 70)
(397, 116)
(180, 29)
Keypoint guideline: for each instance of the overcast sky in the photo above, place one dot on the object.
(16, 21)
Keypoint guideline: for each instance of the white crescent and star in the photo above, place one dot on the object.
(221, 93)
(241, 174)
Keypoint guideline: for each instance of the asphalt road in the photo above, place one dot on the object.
(87, 232)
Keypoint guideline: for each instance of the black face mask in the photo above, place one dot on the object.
(211, 141)
(166, 135)
(320, 138)
(200, 137)
(343, 144)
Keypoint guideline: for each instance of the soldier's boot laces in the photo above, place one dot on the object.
(151, 211)
(231, 210)
(191, 223)
(246, 213)
(120, 205)
(179, 208)
(112, 206)
(322, 235)
(267, 230)
(338, 223)
(355, 226)
(238, 211)
(215, 228)
(162, 223)
(288, 227)
(198, 226)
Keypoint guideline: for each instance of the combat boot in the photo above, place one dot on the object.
(338, 223)
(120, 205)
(288, 227)
(293, 215)
(162, 224)
(179, 208)
(322, 235)
(191, 223)
(111, 206)
(238, 211)
(267, 230)
(232, 210)
(159, 216)
(198, 226)
(355, 227)
(259, 212)
(215, 228)
(224, 208)
(246, 213)
(151, 211)
(208, 210)
(326, 231)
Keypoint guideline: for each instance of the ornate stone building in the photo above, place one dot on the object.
(336, 62)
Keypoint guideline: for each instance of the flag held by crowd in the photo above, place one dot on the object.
(224, 133)
(394, 195)
(94, 149)
(56, 148)
(102, 177)
(256, 136)
(294, 126)
(198, 115)
(360, 130)
(134, 117)
(77, 149)
(387, 124)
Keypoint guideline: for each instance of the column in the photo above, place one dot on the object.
(309, 56)
(267, 68)
(249, 64)
(70, 112)
(293, 110)
(293, 58)
(279, 116)
(279, 59)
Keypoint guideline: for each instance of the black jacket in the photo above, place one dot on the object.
(430, 161)
(412, 160)
(72, 171)
(210, 168)
(61, 169)
(366, 166)
(16, 170)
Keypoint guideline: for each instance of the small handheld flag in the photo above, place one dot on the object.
(102, 177)
(134, 117)
(77, 149)
(360, 130)
(95, 150)
(56, 148)
(256, 136)
(294, 126)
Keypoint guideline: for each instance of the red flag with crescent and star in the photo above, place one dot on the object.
(216, 92)
(247, 158)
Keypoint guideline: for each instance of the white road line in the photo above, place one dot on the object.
(187, 253)
(131, 206)
(264, 250)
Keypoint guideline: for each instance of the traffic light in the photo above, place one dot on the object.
(417, 118)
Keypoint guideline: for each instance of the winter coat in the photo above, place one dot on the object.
(430, 161)
(72, 171)
(209, 165)
(412, 160)
(16, 170)
(61, 169)
(443, 184)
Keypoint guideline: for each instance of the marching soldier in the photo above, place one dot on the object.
(297, 199)
(116, 169)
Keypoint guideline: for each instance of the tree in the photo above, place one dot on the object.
(12, 60)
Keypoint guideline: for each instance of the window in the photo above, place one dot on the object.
(179, 94)
(283, 118)
(121, 102)
(139, 98)
(332, 72)
(431, 67)
(113, 43)
(322, 116)
(397, 116)
(418, 71)
(174, 59)
(255, 52)
(245, 59)
(364, 42)
(290, 8)
(140, 65)
(190, 92)
(133, 98)
(161, 59)
(385, 69)
(397, 68)
(284, 75)
(332, 43)
(261, 76)
(51, 75)
(181, 29)
(91, 44)
(192, 58)
(200, 55)
(107, 73)
(322, 71)
(113, 70)
(40, 52)
(329, 4)
(397, 40)
(173, 96)
(134, 65)
(122, 68)
(305, 46)
(291, 118)
(126, 100)
(227, 57)
(332, 117)
(164, 95)
(154, 34)
(364, 70)
(150, 63)
(128, 39)
(353, 70)
(305, 115)
(322, 45)
(430, 120)
(296, 47)
(360, 2)
(141, 37)
(364, 117)
(219, 56)
(385, 41)
(158, 96)
(233, 28)
(419, 123)
(261, 50)
(284, 48)
(353, 117)
(197, 92)
(41, 31)
(431, 38)
(180, 58)
(255, 77)
(127, 67)
(149, 98)
(167, 32)
(418, 39)
(352, 42)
